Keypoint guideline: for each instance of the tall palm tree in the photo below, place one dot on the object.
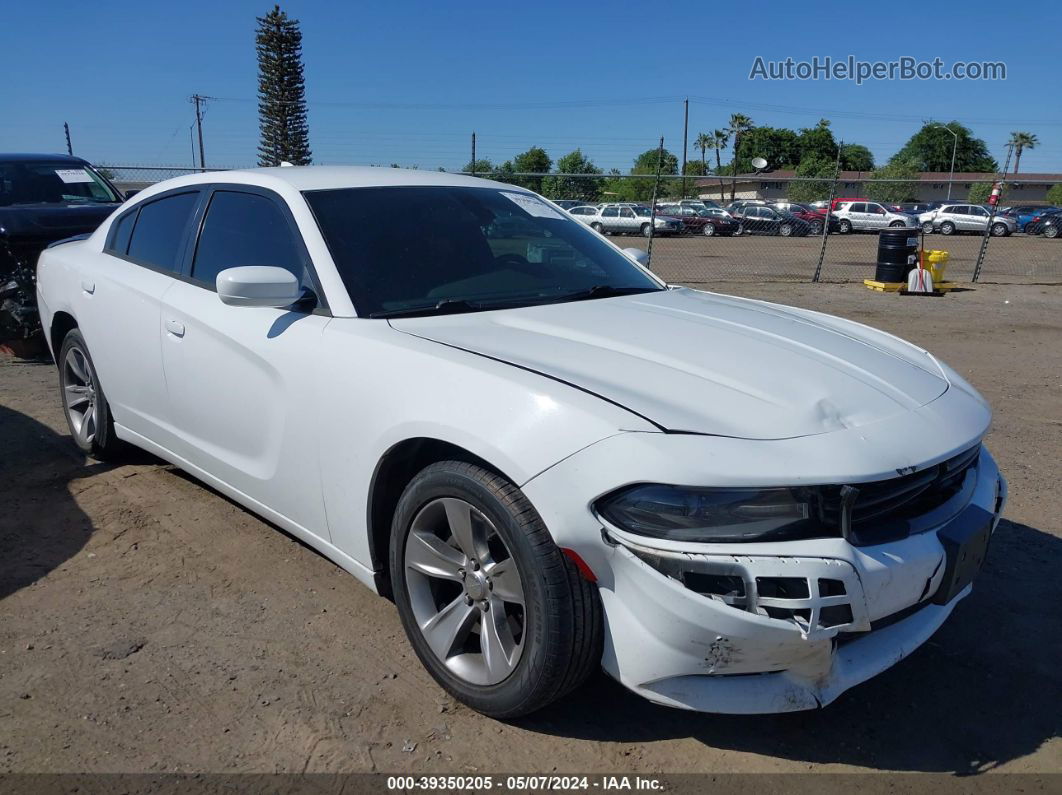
(1021, 141)
(739, 125)
(719, 139)
(704, 143)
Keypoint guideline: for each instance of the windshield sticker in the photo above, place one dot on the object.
(72, 175)
(532, 206)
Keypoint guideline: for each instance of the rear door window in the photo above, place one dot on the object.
(158, 235)
(121, 232)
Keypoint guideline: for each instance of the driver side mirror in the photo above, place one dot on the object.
(257, 285)
(639, 256)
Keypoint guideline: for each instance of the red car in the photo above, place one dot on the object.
(701, 222)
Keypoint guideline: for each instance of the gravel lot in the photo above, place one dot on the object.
(148, 624)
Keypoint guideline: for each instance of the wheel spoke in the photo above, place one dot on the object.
(429, 555)
(78, 366)
(496, 642)
(505, 582)
(459, 517)
(449, 626)
(76, 394)
(88, 424)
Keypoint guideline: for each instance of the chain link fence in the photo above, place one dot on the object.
(763, 227)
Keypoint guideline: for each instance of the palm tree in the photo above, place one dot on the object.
(720, 139)
(704, 143)
(739, 124)
(1021, 141)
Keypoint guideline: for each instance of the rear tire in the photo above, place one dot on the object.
(896, 224)
(785, 230)
(548, 618)
(708, 230)
(88, 415)
(947, 228)
(1050, 232)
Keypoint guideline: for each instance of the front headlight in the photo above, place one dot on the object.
(682, 513)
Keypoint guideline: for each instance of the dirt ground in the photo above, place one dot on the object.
(148, 624)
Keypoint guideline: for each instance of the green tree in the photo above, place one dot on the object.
(533, 161)
(929, 149)
(855, 157)
(483, 167)
(704, 143)
(1022, 141)
(1054, 195)
(777, 145)
(979, 193)
(813, 190)
(285, 132)
(641, 187)
(817, 142)
(738, 126)
(582, 188)
(902, 184)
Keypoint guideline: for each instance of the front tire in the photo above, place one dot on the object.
(896, 224)
(1050, 232)
(597, 228)
(785, 230)
(88, 415)
(645, 230)
(845, 226)
(927, 228)
(999, 230)
(708, 230)
(497, 614)
(947, 228)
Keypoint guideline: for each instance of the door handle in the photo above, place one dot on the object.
(88, 287)
(176, 328)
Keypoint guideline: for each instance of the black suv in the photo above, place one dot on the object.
(43, 198)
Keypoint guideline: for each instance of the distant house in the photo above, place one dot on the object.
(1028, 188)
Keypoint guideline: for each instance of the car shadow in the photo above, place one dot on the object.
(983, 691)
(41, 524)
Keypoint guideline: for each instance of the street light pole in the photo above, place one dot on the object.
(954, 146)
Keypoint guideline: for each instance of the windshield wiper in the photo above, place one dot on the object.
(446, 306)
(603, 291)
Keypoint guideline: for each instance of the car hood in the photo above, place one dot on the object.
(698, 362)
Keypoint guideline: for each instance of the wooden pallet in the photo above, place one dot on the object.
(895, 287)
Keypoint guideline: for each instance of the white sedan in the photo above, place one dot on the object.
(554, 462)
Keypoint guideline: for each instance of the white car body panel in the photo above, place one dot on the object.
(292, 413)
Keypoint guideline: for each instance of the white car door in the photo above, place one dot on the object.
(120, 311)
(976, 219)
(629, 221)
(876, 217)
(610, 220)
(242, 381)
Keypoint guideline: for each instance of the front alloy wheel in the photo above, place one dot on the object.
(844, 227)
(947, 228)
(999, 230)
(927, 228)
(497, 614)
(785, 230)
(708, 230)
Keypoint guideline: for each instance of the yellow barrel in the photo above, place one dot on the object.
(936, 261)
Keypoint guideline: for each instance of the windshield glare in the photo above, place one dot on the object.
(405, 248)
(51, 183)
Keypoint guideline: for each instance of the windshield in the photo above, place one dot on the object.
(432, 249)
(27, 182)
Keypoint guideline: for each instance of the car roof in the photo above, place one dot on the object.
(27, 157)
(306, 178)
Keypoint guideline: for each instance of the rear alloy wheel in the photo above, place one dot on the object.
(845, 226)
(999, 230)
(947, 228)
(816, 229)
(88, 414)
(708, 230)
(785, 230)
(927, 228)
(897, 224)
(497, 614)
(1051, 231)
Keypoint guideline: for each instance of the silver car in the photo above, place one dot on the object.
(952, 218)
(624, 218)
(869, 217)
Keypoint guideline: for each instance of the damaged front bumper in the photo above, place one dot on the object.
(769, 632)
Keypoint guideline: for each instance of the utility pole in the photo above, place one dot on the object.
(685, 141)
(954, 147)
(200, 102)
(473, 153)
(69, 148)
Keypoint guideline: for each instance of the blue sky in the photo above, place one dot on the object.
(408, 82)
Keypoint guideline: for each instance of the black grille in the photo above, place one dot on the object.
(881, 511)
